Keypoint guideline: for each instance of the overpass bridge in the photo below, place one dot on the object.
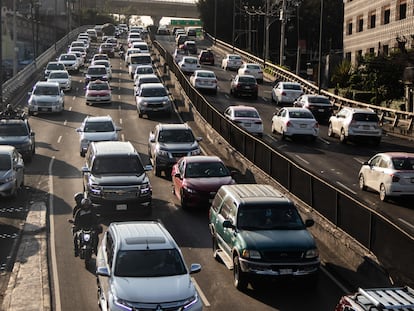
(156, 9)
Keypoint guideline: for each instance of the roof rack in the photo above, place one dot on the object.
(392, 298)
(11, 114)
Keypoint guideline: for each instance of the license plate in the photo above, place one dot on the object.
(44, 109)
(366, 127)
(285, 271)
(321, 110)
(247, 124)
(121, 207)
(246, 87)
(302, 126)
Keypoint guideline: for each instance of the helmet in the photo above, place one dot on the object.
(86, 203)
(78, 197)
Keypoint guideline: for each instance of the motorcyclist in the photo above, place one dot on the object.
(85, 218)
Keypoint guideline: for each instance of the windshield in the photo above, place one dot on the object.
(98, 86)
(97, 71)
(246, 114)
(55, 66)
(206, 169)
(5, 163)
(95, 127)
(141, 60)
(46, 90)
(11, 129)
(68, 57)
(154, 92)
(124, 165)
(144, 70)
(176, 136)
(58, 75)
(269, 216)
(149, 263)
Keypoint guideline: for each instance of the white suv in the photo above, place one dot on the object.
(355, 124)
(140, 266)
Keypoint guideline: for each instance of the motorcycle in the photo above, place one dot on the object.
(86, 242)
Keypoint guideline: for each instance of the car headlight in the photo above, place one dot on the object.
(195, 152)
(252, 254)
(312, 253)
(189, 190)
(9, 178)
(122, 304)
(145, 188)
(95, 189)
(163, 153)
(190, 301)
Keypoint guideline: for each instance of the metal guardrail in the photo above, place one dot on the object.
(393, 120)
(13, 87)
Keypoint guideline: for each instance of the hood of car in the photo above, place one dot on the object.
(277, 240)
(13, 140)
(153, 99)
(179, 147)
(153, 289)
(99, 136)
(117, 179)
(208, 183)
(45, 98)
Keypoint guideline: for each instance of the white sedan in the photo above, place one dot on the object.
(62, 77)
(231, 62)
(204, 80)
(252, 69)
(293, 121)
(389, 173)
(189, 64)
(246, 117)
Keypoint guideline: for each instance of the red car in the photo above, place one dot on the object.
(206, 57)
(196, 179)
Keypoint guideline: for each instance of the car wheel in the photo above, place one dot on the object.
(240, 278)
(273, 99)
(254, 96)
(82, 154)
(273, 129)
(157, 170)
(282, 132)
(214, 245)
(330, 130)
(362, 182)
(183, 201)
(383, 193)
(342, 136)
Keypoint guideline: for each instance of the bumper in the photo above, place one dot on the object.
(198, 199)
(7, 189)
(121, 204)
(99, 100)
(154, 108)
(45, 109)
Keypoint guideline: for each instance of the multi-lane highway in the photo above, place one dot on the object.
(56, 170)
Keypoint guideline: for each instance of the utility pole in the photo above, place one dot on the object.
(1, 55)
(282, 18)
(320, 49)
(234, 24)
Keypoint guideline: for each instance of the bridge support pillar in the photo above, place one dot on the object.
(156, 20)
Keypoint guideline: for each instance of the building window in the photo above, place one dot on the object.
(386, 15)
(371, 51)
(348, 56)
(402, 10)
(372, 20)
(349, 28)
(360, 23)
(385, 49)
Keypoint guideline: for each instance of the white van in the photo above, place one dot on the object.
(93, 35)
(138, 59)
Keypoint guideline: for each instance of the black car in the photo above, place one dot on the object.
(15, 130)
(96, 72)
(206, 57)
(244, 85)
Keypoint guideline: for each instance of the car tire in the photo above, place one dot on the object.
(342, 137)
(383, 193)
(157, 170)
(254, 96)
(215, 246)
(183, 202)
(282, 133)
(240, 278)
(273, 129)
(361, 182)
(330, 130)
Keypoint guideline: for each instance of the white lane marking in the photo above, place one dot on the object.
(359, 160)
(120, 121)
(122, 137)
(330, 276)
(200, 293)
(345, 187)
(52, 239)
(59, 139)
(73, 98)
(70, 108)
(302, 159)
(66, 122)
(265, 91)
(324, 140)
(406, 222)
(119, 96)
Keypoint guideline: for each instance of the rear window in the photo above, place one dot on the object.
(406, 164)
(292, 87)
(141, 59)
(319, 100)
(365, 117)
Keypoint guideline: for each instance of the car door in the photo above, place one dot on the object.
(278, 120)
(372, 172)
(18, 167)
(338, 120)
(226, 238)
(178, 180)
(105, 259)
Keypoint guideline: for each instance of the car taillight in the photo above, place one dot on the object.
(395, 178)
(258, 122)
(283, 93)
(288, 124)
(316, 125)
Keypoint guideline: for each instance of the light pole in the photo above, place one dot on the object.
(320, 48)
(282, 18)
(1, 56)
(215, 21)
(234, 24)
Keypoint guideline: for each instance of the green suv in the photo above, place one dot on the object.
(258, 233)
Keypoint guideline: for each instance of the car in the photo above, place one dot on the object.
(355, 124)
(381, 299)
(107, 65)
(141, 45)
(251, 69)
(116, 188)
(96, 128)
(153, 98)
(93, 35)
(53, 66)
(143, 79)
(11, 171)
(143, 255)
(285, 93)
(180, 39)
(206, 57)
(167, 143)
(96, 72)
(113, 41)
(15, 130)
(79, 49)
(108, 49)
(259, 234)
(190, 46)
(196, 179)
(129, 52)
(389, 173)
(46, 97)
(295, 122)
(98, 92)
(99, 56)
(138, 59)
(320, 106)
(189, 64)
(179, 54)
(231, 62)
(143, 70)
(205, 80)
(70, 61)
(131, 41)
(62, 77)
(246, 117)
(81, 59)
(244, 85)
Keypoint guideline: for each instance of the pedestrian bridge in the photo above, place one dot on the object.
(156, 9)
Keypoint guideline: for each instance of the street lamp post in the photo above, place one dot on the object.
(234, 24)
(215, 21)
(282, 18)
(320, 48)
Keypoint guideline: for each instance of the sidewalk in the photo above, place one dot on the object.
(28, 287)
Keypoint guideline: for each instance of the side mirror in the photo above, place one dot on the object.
(79, 130)
(309, 222)
(148, 167)
(118, 129)
(178, 175)
(199, 139)
(85, 170)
